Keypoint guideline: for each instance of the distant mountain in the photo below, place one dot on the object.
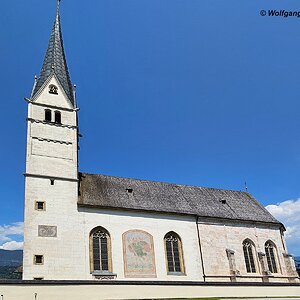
(11, 258)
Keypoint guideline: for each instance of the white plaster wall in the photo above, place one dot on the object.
(54, 153)
(52, 132)
(37, 112)
(118, 222)
(63, 255)
(67, 256)
(51, 149)
(217, 237)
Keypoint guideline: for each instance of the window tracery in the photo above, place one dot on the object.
(249, 251)
(270, 251)
(174, 253)
(100, 250)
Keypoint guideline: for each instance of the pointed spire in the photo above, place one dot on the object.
(55, 60)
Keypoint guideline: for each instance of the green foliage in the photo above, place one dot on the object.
(8, 273)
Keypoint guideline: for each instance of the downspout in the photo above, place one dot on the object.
(200, 248)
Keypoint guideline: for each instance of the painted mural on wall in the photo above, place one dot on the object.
(138, 252)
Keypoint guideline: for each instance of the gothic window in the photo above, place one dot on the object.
(174, 254)
(53, 89)
(249, 251)
(100, 250)
(48, 115)
(270, 250)
(57, 117)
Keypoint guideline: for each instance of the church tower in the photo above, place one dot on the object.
(51, 178)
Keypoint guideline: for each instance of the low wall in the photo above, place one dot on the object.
(76, 290)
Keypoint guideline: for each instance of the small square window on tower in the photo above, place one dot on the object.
(38, 260)
(40, 205)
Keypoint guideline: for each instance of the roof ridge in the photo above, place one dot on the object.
(170, 183)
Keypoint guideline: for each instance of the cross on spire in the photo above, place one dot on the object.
(57, 6)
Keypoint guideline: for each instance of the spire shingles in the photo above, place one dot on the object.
(55, 60)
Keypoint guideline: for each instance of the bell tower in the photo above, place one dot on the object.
(51, 177)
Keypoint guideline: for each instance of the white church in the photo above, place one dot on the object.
(81, 226)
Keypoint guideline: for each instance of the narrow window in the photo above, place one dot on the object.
(100, 250)
(174, 254)
(38, 260)
(248, 249)
(57, 117)
(40, 205)
(48, 115)
(38, 278)
(52, 181)
(270, 250)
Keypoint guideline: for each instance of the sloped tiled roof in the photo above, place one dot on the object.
(112, 192)
(55, 61)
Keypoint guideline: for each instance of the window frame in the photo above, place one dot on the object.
(109, 251)
(35, 257)
(253, 265)
(57, 115)
(180, 254)
(47, 111)
(274, 263)
(36, 205)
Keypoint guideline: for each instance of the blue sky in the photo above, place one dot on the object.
(195, 92)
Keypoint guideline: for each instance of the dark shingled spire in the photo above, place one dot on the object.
(55, 60)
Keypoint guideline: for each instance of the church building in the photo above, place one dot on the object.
(81, 226)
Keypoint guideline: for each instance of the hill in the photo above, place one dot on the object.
(11, 258)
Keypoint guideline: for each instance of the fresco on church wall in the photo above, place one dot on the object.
(138, 253)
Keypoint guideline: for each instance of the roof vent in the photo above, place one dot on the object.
(223, 201)
(129, 191)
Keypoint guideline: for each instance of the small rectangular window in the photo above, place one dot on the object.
(48, 115)
(40, 205)
(52, 181)
(57, 115)
(38, 278)
(38, 259)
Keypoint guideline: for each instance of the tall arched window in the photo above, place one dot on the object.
(100, 250)
(249, 252)
(48, 115)
(270, 250)
(57, 117)
(174, 253)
